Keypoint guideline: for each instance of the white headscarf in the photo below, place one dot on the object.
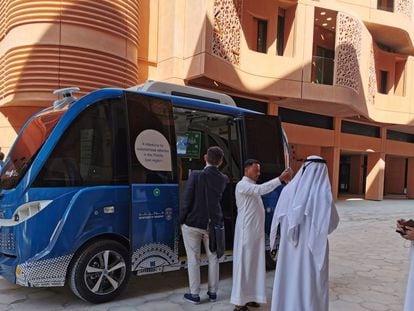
(307, 197)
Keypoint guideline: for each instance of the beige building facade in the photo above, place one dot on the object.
(338, 73)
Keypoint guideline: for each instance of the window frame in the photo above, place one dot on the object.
(280, 33)
(261, 36)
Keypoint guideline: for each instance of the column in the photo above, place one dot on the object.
(272, 108)
(332, 156)
(410, 179)
(356, 174)
(394, 175)
(374, 188)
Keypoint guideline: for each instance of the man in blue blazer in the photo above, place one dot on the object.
(200, 209)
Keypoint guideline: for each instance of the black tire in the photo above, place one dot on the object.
(109, 270)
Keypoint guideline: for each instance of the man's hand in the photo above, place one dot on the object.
(400, 224)
(400, 227)
(286, 175)
(409, 233)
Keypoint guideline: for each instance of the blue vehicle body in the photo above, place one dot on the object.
(38, 251)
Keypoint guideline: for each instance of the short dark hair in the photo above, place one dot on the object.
(214, 155)
(1, 156)
(250, 162)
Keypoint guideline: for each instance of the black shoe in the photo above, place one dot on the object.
(241, 308)
(195, 299)
(212, 296)
(252, 304)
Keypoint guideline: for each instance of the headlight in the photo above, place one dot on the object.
(27, 210)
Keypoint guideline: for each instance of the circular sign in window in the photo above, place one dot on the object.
(153, 151)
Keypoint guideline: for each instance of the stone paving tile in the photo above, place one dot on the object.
(368, 272)
(341, 305)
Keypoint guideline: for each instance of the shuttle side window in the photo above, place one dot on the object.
(263, 139)
(152, 140)
(92, 151)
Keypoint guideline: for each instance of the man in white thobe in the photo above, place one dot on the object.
(407, 233)
(249, 271)
(306, 214)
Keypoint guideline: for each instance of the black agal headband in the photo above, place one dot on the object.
(312, 161)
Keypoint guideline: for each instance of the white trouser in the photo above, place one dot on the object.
(192, 241)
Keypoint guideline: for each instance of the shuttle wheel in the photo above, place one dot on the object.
(100, 272)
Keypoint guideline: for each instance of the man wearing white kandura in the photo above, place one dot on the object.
(306, 214)
(249, 267)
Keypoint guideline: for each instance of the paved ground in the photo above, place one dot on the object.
(368, 271)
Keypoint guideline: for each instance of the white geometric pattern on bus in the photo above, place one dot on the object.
(152, 257)
(44, 273)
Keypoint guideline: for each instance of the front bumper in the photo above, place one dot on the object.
(43, 273)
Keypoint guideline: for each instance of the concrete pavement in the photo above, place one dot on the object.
(369, 260)
(368, 271)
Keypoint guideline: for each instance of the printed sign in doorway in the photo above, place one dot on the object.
(153, 151)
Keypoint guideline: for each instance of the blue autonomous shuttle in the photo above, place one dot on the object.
(90, 190)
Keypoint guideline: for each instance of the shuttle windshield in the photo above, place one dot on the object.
(27, 146)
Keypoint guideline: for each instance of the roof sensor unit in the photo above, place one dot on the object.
(67, 99)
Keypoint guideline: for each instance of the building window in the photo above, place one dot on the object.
(400, 136)
(360, 129)
(324, 33)
(261, 36)
(305, 118)
(383, 82)
(281, 32)
(324, 65)
(385, 5)
(250, 104)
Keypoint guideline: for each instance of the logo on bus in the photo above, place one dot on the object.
(156, 192)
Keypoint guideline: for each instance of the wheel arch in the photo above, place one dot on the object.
(101, 237)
